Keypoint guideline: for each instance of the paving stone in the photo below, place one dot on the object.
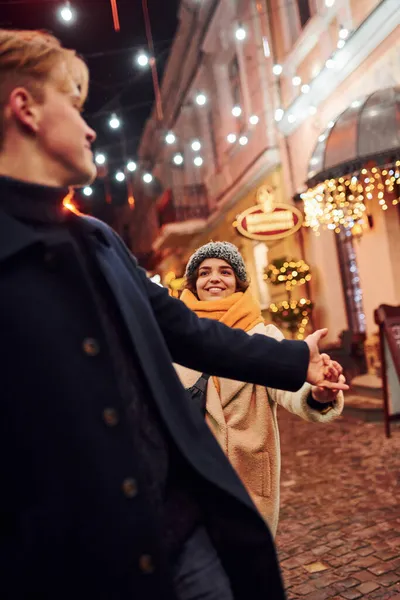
(343, 510)
(367, 587)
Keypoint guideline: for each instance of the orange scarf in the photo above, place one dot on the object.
(239, 311)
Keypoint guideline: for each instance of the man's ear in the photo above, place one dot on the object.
(24, 108)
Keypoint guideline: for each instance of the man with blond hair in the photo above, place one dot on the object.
(112, 486)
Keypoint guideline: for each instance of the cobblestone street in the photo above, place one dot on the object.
(339, 533)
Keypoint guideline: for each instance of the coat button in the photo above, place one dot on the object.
(110, 417)
(129, 487)
(146, 564)
(91, 347)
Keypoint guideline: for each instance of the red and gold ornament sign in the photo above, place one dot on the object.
(268, 220)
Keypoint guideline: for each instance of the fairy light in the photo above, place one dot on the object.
(100, 159)
(231, 138)
(178, 159)
(201, 99)
(240, 33)
(236, 111)
(66, 13)
(120, 176)
(277, 70)
(88, 191)
(131, 166)
(170, 138)
(114, 122)
(196, 145)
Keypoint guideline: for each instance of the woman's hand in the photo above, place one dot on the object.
(334, 373)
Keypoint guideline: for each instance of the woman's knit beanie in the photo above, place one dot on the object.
(223, 250)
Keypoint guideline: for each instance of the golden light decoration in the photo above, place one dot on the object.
(288, 272)
(293, 314)
(342, 203)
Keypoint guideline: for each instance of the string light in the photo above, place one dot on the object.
(312, 110)
(170, 138)
(243, 140)
(330, 63)
(341, 204)
(201, 99)
(343, 33)
(341, 44)
(279, 114)
(236, 111)
(254, 120)
(305, 88)
(178, 159)
(142, 59)
(198, 161)
(88, 191)
(240, 33)
(131, 166)
(277, 69)
(120, 176)
(114, 122)
(66, 13)
(100, 159)
(196, 145)
(296, 80)
(231, 137)
(147, 177)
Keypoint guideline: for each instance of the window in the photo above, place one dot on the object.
(351, 282)
(236, 91)
(304, 9)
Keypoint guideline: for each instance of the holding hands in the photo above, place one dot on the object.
(326, 376)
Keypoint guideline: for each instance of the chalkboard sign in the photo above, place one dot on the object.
(388, 319)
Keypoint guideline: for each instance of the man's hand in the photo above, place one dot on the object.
(317, 373)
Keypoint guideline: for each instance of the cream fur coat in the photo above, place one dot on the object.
(244, 421)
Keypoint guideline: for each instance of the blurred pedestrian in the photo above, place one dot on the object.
(113, 486)
(243, 416)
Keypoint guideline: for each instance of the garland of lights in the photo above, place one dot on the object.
(340, 204)
(292, 314)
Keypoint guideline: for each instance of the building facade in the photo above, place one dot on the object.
(287, 96)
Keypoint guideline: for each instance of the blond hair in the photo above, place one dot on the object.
(28, 59)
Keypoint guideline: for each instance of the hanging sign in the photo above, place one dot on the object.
(268, 220)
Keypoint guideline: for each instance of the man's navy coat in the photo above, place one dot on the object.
(69, 526)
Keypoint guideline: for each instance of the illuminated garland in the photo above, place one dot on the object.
(295, 315)
(338, 204)
(288, 272)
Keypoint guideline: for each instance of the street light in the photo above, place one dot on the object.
(100, 159)
(114, 122)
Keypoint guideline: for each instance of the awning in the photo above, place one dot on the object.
(369, 130)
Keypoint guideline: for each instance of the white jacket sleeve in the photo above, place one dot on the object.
(296, 402)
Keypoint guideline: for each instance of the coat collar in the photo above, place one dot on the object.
(15, 236)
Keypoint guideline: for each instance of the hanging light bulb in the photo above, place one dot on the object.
(240, 33)
(201, 99)
(243, 140)
(66, 13)
(277, 69)
(178, 159)
(198, 161)
(88, 191)
(120, 176)
(236, 111)
(142, 59)
(147, 177)
(170, 138)
(114, 122)
(231, 137)
(100, 159)
(196, 145)
(254, 120)
(131, 166)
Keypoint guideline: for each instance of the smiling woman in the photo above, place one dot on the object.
(243, 416)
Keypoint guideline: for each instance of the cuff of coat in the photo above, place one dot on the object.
(319, 413)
